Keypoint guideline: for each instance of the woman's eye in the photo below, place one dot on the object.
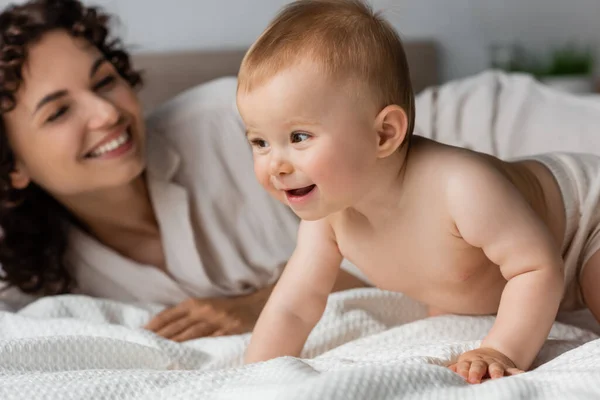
(57, 114)
(259, 143)
(109, 80)
(298, 137)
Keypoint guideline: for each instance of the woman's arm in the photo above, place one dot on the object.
(195, 318)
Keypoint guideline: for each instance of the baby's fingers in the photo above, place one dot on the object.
(477, 371)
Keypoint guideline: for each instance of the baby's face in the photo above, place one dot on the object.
(314, 145)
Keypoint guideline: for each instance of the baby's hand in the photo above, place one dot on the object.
(484, 362)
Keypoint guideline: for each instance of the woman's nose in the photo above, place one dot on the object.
(103, 113)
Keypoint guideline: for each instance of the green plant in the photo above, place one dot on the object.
(570, 60)
(567, 60)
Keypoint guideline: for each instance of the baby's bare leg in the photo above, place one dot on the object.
(590, 284)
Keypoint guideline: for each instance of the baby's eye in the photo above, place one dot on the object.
(298, 137)
(259, 143)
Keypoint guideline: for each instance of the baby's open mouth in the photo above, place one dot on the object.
(300, 192)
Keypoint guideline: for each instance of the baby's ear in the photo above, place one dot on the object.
(19, 178)
(391, 125)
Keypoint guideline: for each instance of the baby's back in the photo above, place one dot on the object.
(420, 251)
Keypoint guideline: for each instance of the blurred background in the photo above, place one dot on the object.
(553, 39)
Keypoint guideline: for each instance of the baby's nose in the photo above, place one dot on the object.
(280, 166)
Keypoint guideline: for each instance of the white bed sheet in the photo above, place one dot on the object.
(73, 347)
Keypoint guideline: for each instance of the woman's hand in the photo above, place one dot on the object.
(196, 318)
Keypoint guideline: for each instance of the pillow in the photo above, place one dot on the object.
(509, 116)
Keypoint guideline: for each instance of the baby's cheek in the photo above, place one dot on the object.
(340, 171)
(264, 179)
(261, 174)
(353, 181)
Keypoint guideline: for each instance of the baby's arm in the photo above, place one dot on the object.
(491, 214)
(299, 297)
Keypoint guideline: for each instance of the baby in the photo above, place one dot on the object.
(326, 98)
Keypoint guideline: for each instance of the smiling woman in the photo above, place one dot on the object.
(94, 202)
(42, 157)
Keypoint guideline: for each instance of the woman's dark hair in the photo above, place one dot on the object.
(33, 225)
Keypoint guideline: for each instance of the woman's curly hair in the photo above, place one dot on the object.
(33, 225)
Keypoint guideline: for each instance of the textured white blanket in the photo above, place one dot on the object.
(74, 347)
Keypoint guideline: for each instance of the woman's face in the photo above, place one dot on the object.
(77, 126)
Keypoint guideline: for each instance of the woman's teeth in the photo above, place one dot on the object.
(112, 145)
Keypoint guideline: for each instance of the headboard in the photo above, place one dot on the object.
(167, 74)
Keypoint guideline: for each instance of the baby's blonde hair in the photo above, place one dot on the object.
(343, 37)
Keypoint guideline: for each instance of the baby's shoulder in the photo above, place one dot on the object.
(443, 165)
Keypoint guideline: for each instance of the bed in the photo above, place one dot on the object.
(168, 74)
(370, 344)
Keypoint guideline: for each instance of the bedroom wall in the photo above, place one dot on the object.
(464, 28)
